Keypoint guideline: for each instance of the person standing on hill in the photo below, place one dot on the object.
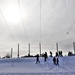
(45, 57)
(54, 60)
(37, 59)
(57, 61)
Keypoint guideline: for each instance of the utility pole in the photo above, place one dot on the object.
(57, 47)
(11, 52)
(40, 48)
(29, 49)
(18, 51)
(74, 46)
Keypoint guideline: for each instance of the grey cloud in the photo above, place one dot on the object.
(56, 18)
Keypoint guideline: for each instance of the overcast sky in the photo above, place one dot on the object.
(57, 16)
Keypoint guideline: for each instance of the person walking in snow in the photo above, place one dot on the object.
(45, 57)
(54, 60)
(37, 59)
(57, 61)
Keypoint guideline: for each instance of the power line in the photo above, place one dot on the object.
(71, 26)
(40, 29)
(40, 21)
(7, 26)
(64, 37)
(22, 21)
(68, 31)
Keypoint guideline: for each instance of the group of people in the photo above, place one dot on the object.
(45, 58)
(55, 59)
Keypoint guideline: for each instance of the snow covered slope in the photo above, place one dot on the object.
(28, 66)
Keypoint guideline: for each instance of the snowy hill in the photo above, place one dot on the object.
(28, 66)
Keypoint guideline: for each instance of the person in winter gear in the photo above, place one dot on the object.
(45, 57)
(57, 61)
(54, 60)
(37, 59)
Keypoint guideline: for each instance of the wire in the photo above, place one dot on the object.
(22, 21)
(40, 29)
(7, 26)
(68, 31)
(40, 21)
(63, 38)
(71, 26)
